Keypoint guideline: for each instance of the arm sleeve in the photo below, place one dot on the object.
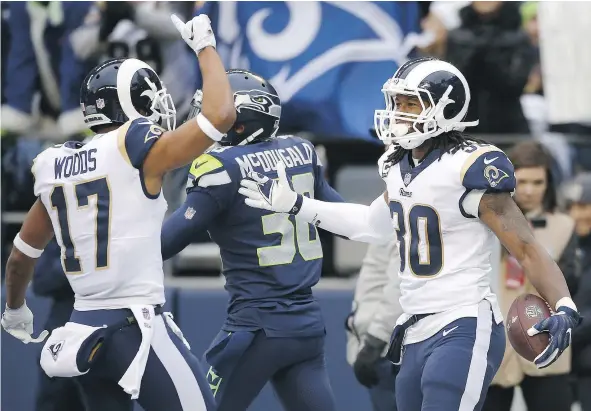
(136, 139)
(368, 224)
(187, 222)
(486, 170)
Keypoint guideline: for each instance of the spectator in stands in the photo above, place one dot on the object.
(547, 389)
(369, 326)
(532, 100)
(49, 280)
(496, 57)
(41, 62)
(443, 16)
(143, 30)
(578, 196)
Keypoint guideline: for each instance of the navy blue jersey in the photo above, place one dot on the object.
(270, 260)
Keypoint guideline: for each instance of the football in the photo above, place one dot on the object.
(526, 311)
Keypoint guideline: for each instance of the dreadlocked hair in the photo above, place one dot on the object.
(449, 142)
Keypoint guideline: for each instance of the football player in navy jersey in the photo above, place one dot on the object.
(447, 196)
(274, 331)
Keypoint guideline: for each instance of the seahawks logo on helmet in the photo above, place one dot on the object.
(258, 101)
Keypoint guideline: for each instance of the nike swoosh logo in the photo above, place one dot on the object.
(487, 161)
(445, 332)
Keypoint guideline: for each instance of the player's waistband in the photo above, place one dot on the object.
(237, 303)
(120, 316)
(413, 320)
(158, 310)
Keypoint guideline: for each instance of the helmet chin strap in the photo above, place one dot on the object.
(251, 137)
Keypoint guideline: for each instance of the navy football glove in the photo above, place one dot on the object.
(559, 325)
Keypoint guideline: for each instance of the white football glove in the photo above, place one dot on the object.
(262, 192)
(19, 323)
(197, 32)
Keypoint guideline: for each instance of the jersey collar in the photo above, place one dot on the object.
(408, 172)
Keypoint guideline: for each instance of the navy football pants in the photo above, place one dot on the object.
(239, 364)
(173, 379)
(452, 372)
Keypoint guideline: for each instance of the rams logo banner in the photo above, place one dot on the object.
(327, 60)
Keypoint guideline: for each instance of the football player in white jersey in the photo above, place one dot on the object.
(447, 196)
(102, 201)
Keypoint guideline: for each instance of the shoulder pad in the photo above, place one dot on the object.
(286, 136)
(217, 149)
(136, 138)
(208, 170)
(383, 164)
(38, 168)
(488, 168)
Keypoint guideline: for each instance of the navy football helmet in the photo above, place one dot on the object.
(119, 90)
(444, 95)
(258, 108)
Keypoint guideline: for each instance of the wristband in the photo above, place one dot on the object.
(566, 302)
(25, 248)
(208, 128)
(297, 206)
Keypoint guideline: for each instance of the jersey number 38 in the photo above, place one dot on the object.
(292, 231)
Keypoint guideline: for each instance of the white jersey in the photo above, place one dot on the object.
(105, 223)
(445, 249)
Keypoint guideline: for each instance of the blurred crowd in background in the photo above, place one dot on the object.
(526, 62)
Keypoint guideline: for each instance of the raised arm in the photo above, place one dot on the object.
(179, 147)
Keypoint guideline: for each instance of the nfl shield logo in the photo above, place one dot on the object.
(533, 311)
(146, 313)
(189, 213)
(100, 103)
(407, 178)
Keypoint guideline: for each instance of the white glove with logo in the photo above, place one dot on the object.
(19, 323)
(197, 32)
(262, 192)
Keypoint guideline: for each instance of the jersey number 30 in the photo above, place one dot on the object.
(83, 191)
(292, 230)
(425, 252)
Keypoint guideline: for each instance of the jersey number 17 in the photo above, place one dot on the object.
(83, 192)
